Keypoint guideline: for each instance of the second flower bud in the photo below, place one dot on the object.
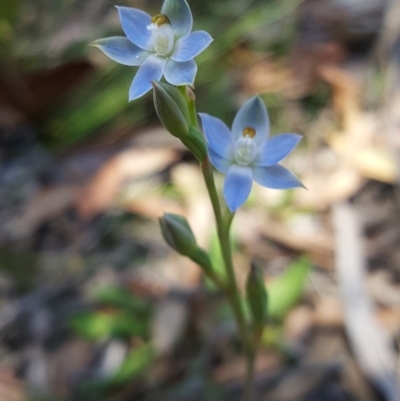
(172, 110)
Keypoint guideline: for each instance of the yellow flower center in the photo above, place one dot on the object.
(245, 147)
(249, 132)
(162, 35)
(160, 19)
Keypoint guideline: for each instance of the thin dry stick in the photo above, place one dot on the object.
(371, 344)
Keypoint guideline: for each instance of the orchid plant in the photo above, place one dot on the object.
(164, 45)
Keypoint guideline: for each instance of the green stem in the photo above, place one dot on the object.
(249, 380)
(223, 228)
(231, 290)
(201, 258)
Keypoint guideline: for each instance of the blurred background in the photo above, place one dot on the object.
(95, 306)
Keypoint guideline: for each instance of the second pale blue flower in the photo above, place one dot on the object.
(247, 154)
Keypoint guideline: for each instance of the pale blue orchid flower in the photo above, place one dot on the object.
(162, 45)
(247, 154)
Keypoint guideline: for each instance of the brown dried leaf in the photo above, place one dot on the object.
(102, 190)
(346, 92)
(326, 188)
(307, 61)
(152, 206)
(328, 312)
(266, 76)
(31, 93)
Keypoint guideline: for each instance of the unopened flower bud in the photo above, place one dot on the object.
(257, 298)
(171, 109)
(178, 234)
(195, 142)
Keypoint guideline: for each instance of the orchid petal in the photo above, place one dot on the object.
(180, 16)
(218, 136)
(188, 47)
(276, 177)
(219, 162)
(122, 50)
(252, 114)
(237, 186)
(151, 70)
(276, 148)
(134, 23)
(180, 73)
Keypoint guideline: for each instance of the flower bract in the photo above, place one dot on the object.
(246, 153)
(159, 45)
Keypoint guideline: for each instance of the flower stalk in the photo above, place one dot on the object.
(223, 230)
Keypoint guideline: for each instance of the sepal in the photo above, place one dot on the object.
(203, 260)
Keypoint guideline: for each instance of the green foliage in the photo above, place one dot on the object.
(123, 315)
(8, 16)
(99, 325)
(256, 19)
(134, 364)
(285, 291)
(121, 298)
(100, 101)
(126, 316)
(9, 11)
